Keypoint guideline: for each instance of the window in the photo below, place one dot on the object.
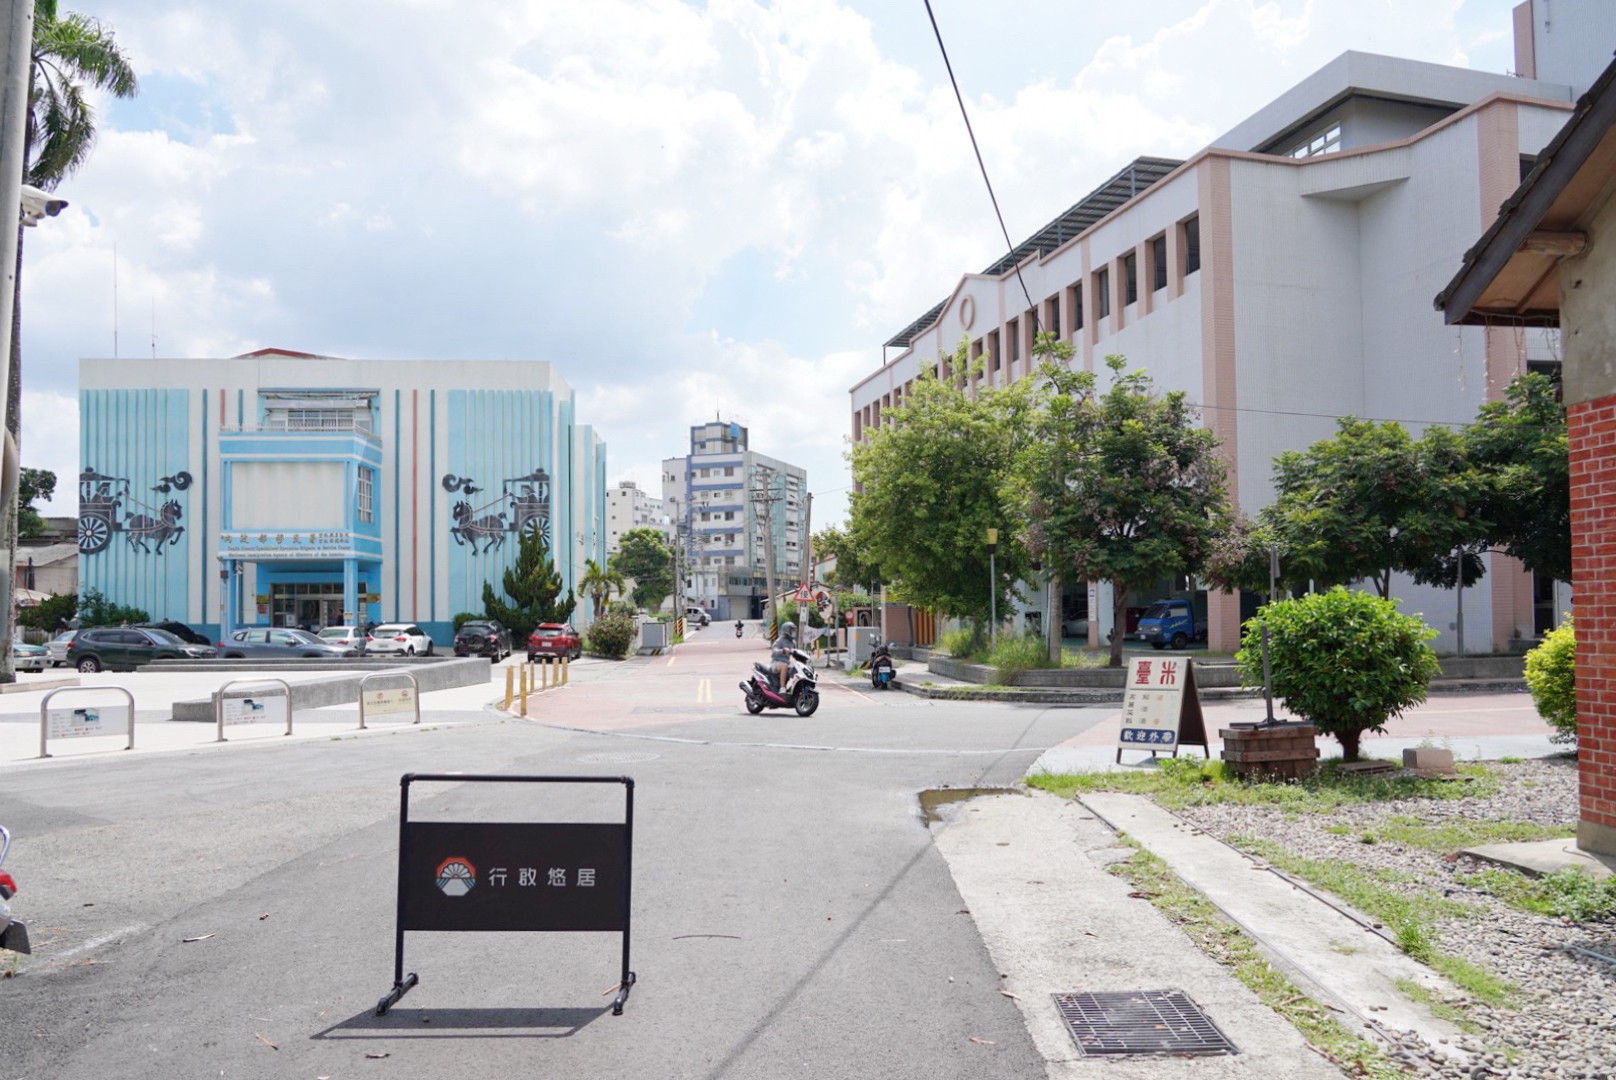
(1528, 163)
(367, 494)
(1077, 306)
(1102, 293)
(1192, 244)
(1052, 315)
(1327, 141)
(1158, 263)
(1130, 278)
(1013, 330)
(729, 470)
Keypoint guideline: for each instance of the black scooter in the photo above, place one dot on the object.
(881, 666)
(13, 932)
(738, 628)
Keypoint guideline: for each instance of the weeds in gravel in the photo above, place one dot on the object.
(1410, 916)
(1226, 943)
(1453, 835)
(1180, 783)
(1565, 894)
(1438, 1008)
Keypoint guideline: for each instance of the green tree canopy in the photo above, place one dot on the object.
(33, 484)
(1520, 451)
(534, 586)
(643, 555)
(854, 567)
(1117, 485)
(598, 584)
(929, 486)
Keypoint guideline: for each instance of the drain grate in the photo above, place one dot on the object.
(1140, 1022)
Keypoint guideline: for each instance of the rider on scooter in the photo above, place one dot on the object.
(780, 658)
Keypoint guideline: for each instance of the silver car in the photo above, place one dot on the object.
(57, 647)
(259, 643)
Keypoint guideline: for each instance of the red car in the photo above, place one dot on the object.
(554, 639)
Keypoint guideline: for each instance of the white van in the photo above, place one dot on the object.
(697, 616)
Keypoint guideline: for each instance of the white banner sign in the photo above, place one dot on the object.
(87, 720)
(1153, 703)
(268, 708)
(397, 700)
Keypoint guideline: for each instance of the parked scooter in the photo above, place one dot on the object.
(13, 932)
(881, 666)
(800, 692)
(739, 626)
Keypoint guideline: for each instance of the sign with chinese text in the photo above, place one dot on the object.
(1161, 708)
(87, 720)
(498, 876)
(308, 544)
(395, 700)
(268, 708)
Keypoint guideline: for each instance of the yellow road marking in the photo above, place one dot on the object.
(672, 658)
(704, 691)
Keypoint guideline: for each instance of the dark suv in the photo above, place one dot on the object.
(178, 629)
(483, 637)
(125, 648)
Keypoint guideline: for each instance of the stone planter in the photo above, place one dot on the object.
(1279, 752)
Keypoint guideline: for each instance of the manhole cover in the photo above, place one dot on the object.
(1140, 1022)
(622, 757)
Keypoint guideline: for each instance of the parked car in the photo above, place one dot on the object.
(58, 647)
(1078, 627)
(124, 648)
(1171, 623)
(281, 644)
(554, 639)
(26, 657)
(406, 639)
(483, 637)
(348, 637)
(179, 630)
(698, 616)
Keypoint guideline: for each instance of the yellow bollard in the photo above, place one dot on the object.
(566, 663)
(510, 679)
(524, 699)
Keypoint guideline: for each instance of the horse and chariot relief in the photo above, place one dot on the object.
(525, 501)
(103, 497)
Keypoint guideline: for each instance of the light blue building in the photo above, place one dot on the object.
(287, 489)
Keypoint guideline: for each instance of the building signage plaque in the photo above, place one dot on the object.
(87, 720)
(305, 544)
(1161, 708)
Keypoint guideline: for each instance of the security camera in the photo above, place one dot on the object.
(37, 204)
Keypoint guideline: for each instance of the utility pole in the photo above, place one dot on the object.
(807, 563)
(763, 497)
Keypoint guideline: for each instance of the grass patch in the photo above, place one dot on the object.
(1565, 894)
(1409, 916)
(1510, 760)
(1453, 835)
(1181, 783)
(1437, 1007)
(1228, 945)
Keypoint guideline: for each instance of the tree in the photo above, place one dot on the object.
(598, 584)
(928, 486)
(70, 53)
(854, 568)
(534, 584)
(643, 555)
(1520, 452)
(1118, 485)
(1343, 660)
(51, 613)
(33, 484)
(96, 610)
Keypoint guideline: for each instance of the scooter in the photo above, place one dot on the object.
(738, 627)
(13, 932)
(881, 667)
(801, 691)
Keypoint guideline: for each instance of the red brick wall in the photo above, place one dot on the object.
(1593, 575)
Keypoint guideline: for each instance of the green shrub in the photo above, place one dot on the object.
(1551, 676)
(96, 610)
(960, 644)
(1014, 653)
(612, 634)
(465, 617)
(49, 614)
(1346, 661)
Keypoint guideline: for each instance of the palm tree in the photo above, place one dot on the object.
(598, 584)
(71, 54)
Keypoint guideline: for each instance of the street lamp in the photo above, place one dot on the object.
(993, 586)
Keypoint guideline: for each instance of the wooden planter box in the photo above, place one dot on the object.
(1282, 752)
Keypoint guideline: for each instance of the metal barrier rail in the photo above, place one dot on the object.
(80, 730)
(411, 696)
(219, 699)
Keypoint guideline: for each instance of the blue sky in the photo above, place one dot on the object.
(687, 208)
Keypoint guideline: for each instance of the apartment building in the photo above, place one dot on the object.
(628, 506)
(1282, 278)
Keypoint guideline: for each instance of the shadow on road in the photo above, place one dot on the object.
(400, 1023)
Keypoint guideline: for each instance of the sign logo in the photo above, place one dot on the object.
(456, 876)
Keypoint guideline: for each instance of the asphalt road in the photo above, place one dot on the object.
(232, 913)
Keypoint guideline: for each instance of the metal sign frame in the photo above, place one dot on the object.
(218, 701)
(415, 693)
(409, 910)
(44, 712)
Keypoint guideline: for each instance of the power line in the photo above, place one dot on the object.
(982, 167)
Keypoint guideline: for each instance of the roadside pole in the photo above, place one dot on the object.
(807, 562)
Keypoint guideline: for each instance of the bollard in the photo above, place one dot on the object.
(510, 680)
(566, 663)
(544, 673)
(524, 698)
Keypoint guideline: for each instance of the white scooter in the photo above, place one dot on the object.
(13, 932)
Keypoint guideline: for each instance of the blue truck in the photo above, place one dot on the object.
(1171, 624)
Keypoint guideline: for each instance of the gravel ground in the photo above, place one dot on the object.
(1564, 1022)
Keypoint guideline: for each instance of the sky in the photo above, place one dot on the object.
(690, 209)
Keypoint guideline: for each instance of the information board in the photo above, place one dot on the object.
(395, 699)
(267, 708)
(87, 720)
(1161, 708)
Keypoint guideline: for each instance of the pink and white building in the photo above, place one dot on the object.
(1283, 277)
